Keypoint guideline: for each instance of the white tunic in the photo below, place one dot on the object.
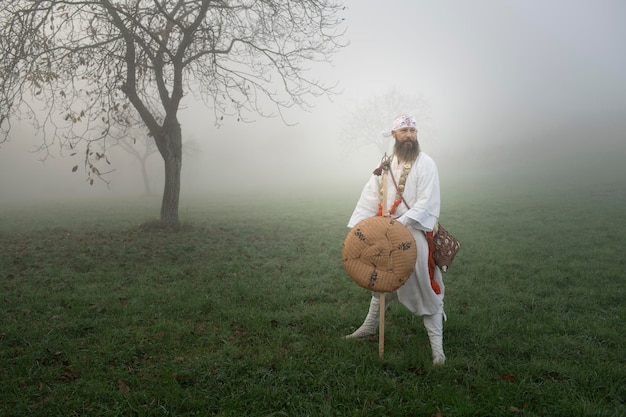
(421, 192)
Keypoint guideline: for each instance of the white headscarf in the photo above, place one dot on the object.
(405, 120)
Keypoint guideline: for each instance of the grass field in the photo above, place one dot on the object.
(242, 311)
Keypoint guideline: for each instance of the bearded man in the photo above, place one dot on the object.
(412, 195)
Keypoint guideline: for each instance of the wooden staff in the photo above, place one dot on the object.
(381, 327)
(381, 303)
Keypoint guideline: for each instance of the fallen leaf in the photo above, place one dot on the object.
(69, 375)
(507, 377)
(123, 387)
(39, 404)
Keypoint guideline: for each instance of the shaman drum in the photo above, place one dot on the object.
(379, 254)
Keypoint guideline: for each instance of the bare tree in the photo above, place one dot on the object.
(84, 71)
(370, 121)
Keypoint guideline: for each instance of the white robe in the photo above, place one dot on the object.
(421, 192)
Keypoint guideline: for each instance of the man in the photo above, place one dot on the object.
(408, 182)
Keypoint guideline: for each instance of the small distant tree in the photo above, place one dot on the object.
(142, 148)
(369, 123)
(84, 71)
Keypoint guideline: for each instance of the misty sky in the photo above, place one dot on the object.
(546, 77)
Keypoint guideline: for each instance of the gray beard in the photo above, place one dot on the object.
(404, 152)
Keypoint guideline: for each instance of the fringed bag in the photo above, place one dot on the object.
(446, 248)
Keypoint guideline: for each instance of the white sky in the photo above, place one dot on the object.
(482, 61)
(540, 75)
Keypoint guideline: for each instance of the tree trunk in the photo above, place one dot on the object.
(170, 147)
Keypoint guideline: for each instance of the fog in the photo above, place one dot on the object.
(513, 89)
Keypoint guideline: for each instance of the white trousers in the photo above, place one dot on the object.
(432, 322)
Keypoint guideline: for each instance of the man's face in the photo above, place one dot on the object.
(406, 147)
(406, 134)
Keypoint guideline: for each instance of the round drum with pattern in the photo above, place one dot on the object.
(379, 254)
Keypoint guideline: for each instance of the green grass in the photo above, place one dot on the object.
(241, 312)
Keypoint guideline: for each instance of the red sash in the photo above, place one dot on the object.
(431, 262)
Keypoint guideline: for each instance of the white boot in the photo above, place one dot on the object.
(369, 326)
(434, 328)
